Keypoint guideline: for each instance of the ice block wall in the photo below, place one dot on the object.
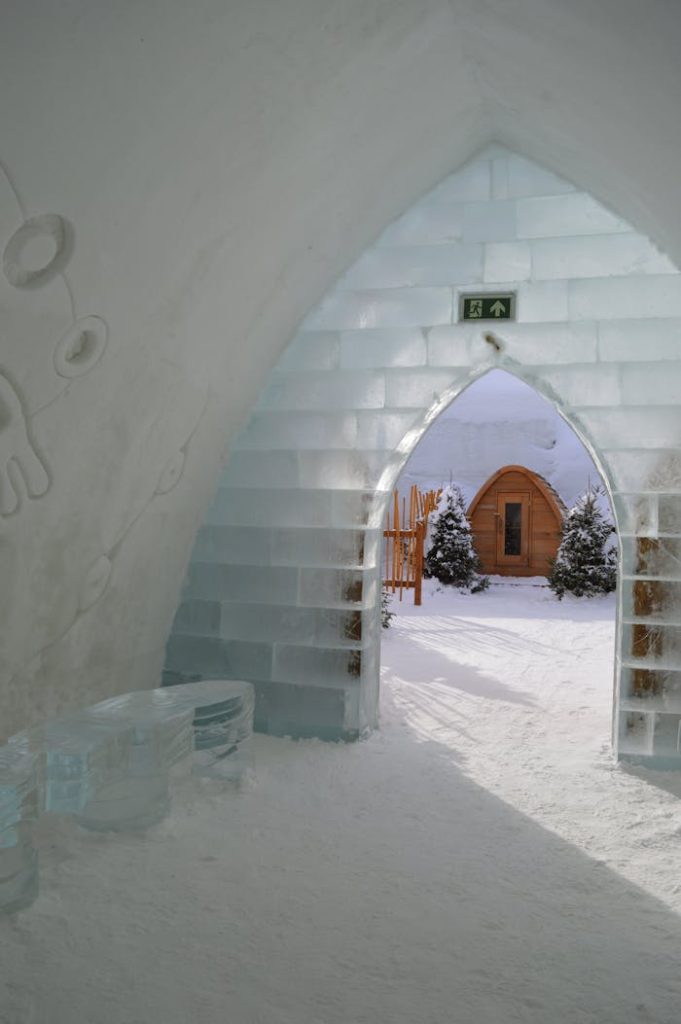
(283, 584)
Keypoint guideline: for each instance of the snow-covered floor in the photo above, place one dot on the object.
(480, 860)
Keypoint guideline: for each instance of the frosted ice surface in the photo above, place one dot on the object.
(383, 429)
(161, 736)
(197, 617)
(335, 588)
(438, 222)
(323, 547)
(546, 344)
(301, 430)
(197, 657)
(261, 469)
(634, 340)
(597, 256)
(406, 390)
(77, 754)
(259, 585)
(392, 307)
(18, 810)
(573, 214)
(650, 384)
(372, 348)
(246, 506)
(469, 183)
(669, 514)
(491, 221)
(320, 391)
(508, 261)
(656, 296)
(409, 265)
(525, 178)
(451, 345)
(634, 427)
(316, 666)
(576, 386)
(250, 545)
(543, 300)
(311, 350)
(342, 469)
(223, 725)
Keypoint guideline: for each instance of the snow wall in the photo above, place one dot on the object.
(499, 421)
(283, 584)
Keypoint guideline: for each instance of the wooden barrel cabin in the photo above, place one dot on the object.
(516, 520)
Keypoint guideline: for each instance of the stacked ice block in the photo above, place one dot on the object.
(160, 736)
(18, 811)
(222, 712)
(77, 755)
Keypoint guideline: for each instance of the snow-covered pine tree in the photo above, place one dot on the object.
(585, 565)
(451, 557)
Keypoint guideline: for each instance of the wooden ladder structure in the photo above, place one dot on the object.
(405, 536)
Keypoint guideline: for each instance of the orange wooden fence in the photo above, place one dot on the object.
(405, 534)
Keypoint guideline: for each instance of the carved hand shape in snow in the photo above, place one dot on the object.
(17, 454)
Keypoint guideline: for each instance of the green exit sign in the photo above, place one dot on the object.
(487, 307)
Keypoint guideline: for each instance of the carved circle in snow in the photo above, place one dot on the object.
(95, 583)
(37, 251)
(81, 348)
(171, 473)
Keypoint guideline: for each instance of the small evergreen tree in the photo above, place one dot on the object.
(584, 565)
(451, 557)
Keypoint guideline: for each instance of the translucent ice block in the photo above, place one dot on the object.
(321, 391)
(392, 307)
(76, 755)
(18, 810)
(161, 736)
(406, 347)
(604, 297)
(493, 221)
(596, 256)
(223, 725)
(572, 214)
(407, 265)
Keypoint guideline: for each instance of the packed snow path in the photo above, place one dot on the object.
(481, 860)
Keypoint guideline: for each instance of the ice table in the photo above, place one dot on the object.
(18, 811)
(161, 736)
(223, 725)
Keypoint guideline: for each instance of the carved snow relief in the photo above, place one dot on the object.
(171, 473)
(81, 348)
(37, 252)
(95, 583)
(18, 457)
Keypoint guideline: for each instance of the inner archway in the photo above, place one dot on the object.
(283, 588)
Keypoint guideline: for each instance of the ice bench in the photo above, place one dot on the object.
(109, 765)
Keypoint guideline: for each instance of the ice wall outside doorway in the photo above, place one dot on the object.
(282, 587)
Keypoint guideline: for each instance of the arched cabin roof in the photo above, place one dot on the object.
(553, 498)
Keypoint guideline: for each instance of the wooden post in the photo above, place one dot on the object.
(418, 560)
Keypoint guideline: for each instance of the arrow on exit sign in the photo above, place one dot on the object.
(487, 307)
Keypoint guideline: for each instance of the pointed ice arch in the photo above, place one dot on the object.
(283, 586)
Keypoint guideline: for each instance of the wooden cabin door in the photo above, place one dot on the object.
(513, 529)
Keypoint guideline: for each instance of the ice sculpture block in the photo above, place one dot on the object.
(160, 736)
(77, 754)
(18, 811)
(223, 725)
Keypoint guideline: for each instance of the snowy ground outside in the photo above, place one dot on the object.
(479, 860)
